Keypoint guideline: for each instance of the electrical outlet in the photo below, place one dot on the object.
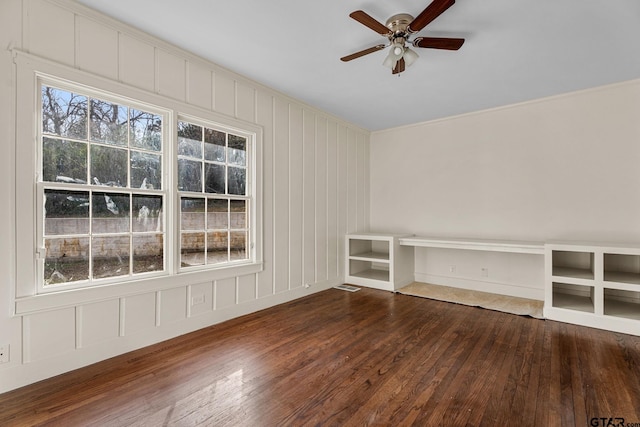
(4, 353)
(452, 269)
(484, 272)
(198, 299)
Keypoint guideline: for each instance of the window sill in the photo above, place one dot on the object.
(75, 297)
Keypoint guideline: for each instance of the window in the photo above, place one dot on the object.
(111, 174)
(100, 200)
(102, 189)
(214, 204)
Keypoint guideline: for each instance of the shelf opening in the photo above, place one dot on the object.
(578, 265)
(369, 249)
(622, 268)
(574, 297)
(621, 303)
(369, 270)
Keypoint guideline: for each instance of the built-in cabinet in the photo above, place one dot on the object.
(593, 285)
(378, 261)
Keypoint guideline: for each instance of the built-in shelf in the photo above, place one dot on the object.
(593, 285)
(573, 297)
(576, 273)
(621, 303)
(372, 256)
(622, 268)
(376, 260)
(576, 264)
(622, 277)
(488, 245)
(373, 274)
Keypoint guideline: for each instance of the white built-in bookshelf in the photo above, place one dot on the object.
(590, 284)
(378, 261)
(593, 285)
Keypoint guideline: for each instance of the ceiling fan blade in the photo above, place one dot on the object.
(365, 19)
(438, 43)
(362, 53)
(399, 66)
(435, 9)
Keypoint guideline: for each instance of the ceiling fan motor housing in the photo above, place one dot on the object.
(398, 25)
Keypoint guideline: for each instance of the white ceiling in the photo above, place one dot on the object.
(515, 50)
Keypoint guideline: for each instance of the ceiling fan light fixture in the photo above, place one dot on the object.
(409, 56)
(390, 61)
(396, 52)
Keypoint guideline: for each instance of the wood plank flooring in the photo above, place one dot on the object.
(337, 358)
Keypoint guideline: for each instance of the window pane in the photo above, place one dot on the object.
(237, 178)
(110, 256)
(214, 144)
(145, 130)
(148, 253)
(217, 214)
(189, 140)
(109, 123)
(64, 113)
(237, 150)
(108, 166)
(66, 260)
(189, 175)
(238, 214)
(146, 170)
(66, 212)
(64, 161)
(110, 213)
(214, 176)
(192, 249)
(217, 247)
(147, 213)
(192, 214)
(238, 245)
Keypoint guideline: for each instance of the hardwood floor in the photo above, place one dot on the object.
(349, 359)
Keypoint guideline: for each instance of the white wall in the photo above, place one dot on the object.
(562, 168)
(315, 189)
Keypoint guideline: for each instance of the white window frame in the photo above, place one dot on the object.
(249, 187)
(41, 185)
(29, 295)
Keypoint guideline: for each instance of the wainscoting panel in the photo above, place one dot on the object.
(139, 313)
(49, 334)
(44, 19)
(136, 63)
(98, 322)
(91, 37)
(246, 288)
(199, 85)
(264, 111)
(296, 163)
(171, 72)
(225, 293)
(173, 305)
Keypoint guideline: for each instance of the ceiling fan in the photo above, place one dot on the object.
(398, 29)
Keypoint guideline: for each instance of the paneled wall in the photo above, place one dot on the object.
(315, 189)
